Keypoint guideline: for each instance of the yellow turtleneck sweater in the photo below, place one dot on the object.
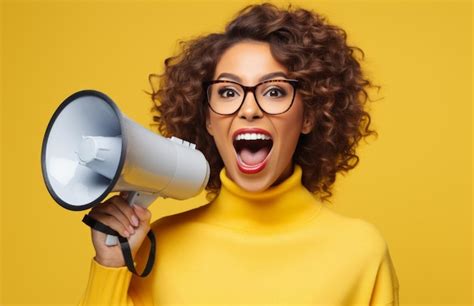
(280, 246)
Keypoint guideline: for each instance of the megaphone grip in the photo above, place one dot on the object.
(125, 246)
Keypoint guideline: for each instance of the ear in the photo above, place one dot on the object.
(209, 126)
(308, 124)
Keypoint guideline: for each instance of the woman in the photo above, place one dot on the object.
(276, 104)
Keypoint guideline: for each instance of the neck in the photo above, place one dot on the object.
(280, 207)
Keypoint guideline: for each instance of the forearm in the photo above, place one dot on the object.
(107, 286)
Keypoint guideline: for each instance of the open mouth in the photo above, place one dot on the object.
(252, 151)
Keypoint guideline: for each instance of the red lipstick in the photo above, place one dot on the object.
(243, 167)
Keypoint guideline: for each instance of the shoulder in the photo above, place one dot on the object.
(359, 236)
(369, 235)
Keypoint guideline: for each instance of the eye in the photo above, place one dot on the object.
(275, 92)
(228, 93)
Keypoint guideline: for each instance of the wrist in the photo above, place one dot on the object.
(112, 263)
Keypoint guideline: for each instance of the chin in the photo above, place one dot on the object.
(252, 182)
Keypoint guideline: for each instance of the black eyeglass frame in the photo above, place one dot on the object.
(252, 89)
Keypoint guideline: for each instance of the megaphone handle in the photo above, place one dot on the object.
(144, 199)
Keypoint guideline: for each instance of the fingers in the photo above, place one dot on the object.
(125, 209)
(117, 214)
(120, 214)
(112, 222)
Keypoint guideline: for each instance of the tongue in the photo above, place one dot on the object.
(253, 158)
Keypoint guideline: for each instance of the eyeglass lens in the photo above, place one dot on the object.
(273, 97)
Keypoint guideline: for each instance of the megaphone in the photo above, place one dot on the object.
(91, 149)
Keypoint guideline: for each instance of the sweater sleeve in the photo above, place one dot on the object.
(107, 286)
(386, 287)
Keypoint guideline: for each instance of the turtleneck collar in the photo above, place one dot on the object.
(279, 208)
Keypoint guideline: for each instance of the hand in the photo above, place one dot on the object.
(132, 222)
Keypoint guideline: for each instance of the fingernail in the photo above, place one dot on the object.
(126, 233)
(131, 230)
(134, 221)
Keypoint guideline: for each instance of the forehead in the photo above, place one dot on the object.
(249, 60)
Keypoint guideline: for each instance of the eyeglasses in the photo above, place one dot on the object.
(272, 96)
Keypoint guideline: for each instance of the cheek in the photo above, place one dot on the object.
(294, 118)
(290, 131)
(290, 139)
(219, 129)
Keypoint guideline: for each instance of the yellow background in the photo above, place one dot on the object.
(414, 181)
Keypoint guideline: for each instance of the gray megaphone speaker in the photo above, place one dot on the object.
(91, 149)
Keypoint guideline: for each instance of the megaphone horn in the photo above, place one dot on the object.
(91, 149)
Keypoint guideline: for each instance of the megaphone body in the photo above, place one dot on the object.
(91, 149)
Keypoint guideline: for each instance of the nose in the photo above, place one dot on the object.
(250, 109)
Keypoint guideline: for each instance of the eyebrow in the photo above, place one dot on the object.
(264, 77)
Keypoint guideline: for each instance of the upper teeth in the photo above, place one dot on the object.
(252, 136)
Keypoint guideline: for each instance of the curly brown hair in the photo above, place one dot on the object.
(332, 86)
